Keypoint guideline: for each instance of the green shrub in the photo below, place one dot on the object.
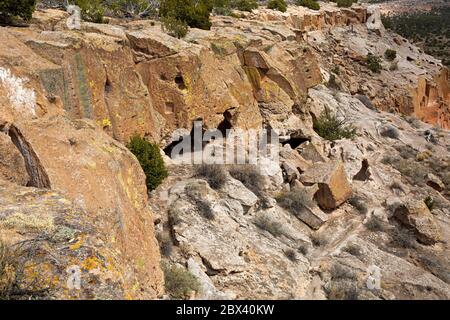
(179, 282)
(250, 177)
(91, 10)
(194, 13)
(213, 173)
(151, 161)
(222, 7)
(266, 223)
(390, 54)
(429, 201)
(174, 27)
(244, 5)
(16, 8)
(311, 4)
(329, 127)
(130, 8)
(279, 5)
(344, 3)
(373, 63)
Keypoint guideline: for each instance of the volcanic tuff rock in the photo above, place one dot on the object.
(69, 99)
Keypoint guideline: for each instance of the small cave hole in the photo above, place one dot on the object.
(170, 107)
(108, 86)
(180, 82)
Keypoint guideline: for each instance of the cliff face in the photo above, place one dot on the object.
(70, 99)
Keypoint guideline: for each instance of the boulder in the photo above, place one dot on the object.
(416, 215)
(334, 188)
(310, 152)
(207, 289)
(236, 190)
(290, 172)
(311, 215)
(293, 159)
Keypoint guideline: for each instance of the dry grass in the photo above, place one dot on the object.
(359, 204)
(375, 224)
(213, 173)
(28, 222)
(353, 249)
(295, 201)
(266, 223)
(8, 260)
(250, 177)
(319, 239)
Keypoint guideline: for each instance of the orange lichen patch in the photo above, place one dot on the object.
(40, 275)
(92, 263)
(77, 245)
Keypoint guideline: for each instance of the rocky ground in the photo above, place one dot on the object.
(325, 220)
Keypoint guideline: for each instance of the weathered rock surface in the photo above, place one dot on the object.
(104, 180)
(58, 238)
(63, 92)
(415, 214)
(334, 188)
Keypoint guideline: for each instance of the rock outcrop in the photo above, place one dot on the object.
(416, 215)
(72, 192)
(332, 181)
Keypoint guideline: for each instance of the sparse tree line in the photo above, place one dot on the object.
(430, 29)
(176, 15)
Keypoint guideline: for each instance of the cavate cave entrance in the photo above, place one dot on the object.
(294, 142)
(197, 125)
(225, 124)
(36, 172)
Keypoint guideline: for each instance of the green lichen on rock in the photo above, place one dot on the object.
(83, 87)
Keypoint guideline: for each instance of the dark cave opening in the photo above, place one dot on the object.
(198, 124)
(294, 142)
(225, 124)
(180, 82)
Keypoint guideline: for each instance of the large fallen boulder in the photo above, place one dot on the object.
(334, 188)
(416, 215)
